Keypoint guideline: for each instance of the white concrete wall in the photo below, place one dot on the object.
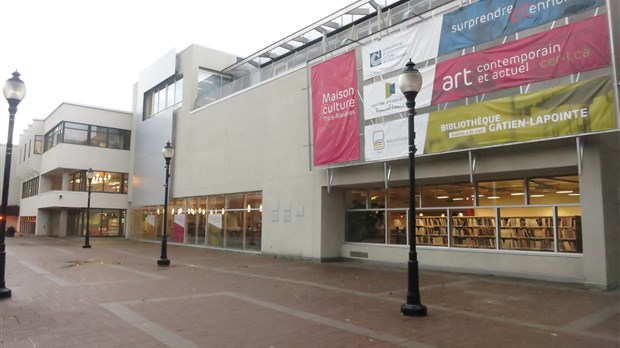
(255, 142)
(80, 157)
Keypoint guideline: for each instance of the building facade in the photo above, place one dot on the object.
(299, 150)
(54, 155)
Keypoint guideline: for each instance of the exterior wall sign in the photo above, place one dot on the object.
(576, 47)
(383, 98)
(566, 110)
(390, 139)
(335, 116)
(392, 52)
(573, 109)
(492, 19)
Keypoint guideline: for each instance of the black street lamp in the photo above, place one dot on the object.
(410, 83)
(168, 153)
(14, 91)
(89, 176)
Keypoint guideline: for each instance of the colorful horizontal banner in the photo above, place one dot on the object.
(418, 43)
(391, 139)
(567, 110)
(335, 117)
(383, 98)
(488, 20)
(569, 49)
(573, 109)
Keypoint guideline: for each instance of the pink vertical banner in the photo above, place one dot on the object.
(178, 231)
(335, 121)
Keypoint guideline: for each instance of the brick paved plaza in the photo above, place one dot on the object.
(114, 295)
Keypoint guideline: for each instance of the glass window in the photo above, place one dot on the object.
(397, 227)
(503, 192)
(98, 136)
(356, 199)
(30, 188)
(448, 195)
(234, 201)
(474, 228)
(234, 229)
(569, 229)
(83, 134)
(432, 227)
(75, 133)
(398, 197)
(38, 144)
(97, 182)
(178, 92)
(148, 106)
(527, 228)
(201, 217)
(254, 200)
(170, 95)
(116, 139)
(161, 99)
(113, 182)
(155, 102)
(377, 198)
(209, 84)
(365, 226)
(215, 203)
(553, 190)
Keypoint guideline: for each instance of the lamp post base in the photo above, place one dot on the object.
(5, 293)
(163, 262)
(86, 246)
(413, 310)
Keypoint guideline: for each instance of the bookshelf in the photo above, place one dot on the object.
(473, 232)
(432, 230)
(569, 234)
(527, 233)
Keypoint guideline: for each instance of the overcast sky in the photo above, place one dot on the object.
(91, 52)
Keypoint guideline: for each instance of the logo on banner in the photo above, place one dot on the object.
(378, 142)
(375, 58)
(390, 89)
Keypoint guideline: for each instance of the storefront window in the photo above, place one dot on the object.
(376, 198)
(553, 190)
(569, 230)
(503, 192)
(527, 228)
(234, 201)
(397, 227)
(448, 195)
(356, 199)
(206, 221)
(215, 203)
(432, 227)
(399, 197)
(365, 226)
(500, 219)
(101, 222)
(474, 228)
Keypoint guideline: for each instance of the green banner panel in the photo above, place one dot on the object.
(567, 110)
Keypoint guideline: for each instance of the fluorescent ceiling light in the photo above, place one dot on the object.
(565, 191)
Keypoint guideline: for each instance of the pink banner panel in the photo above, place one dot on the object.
(569, 49)
(334, 110)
